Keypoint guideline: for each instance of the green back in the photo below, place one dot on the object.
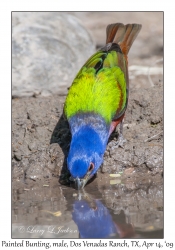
(99, 87)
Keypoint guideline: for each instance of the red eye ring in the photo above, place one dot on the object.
(91, 167)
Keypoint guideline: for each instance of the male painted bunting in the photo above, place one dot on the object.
(97, 100)
(94, 220)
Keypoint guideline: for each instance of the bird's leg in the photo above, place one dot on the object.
(121, 139)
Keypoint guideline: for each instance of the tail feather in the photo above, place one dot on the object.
(112, 30)
(124, 35)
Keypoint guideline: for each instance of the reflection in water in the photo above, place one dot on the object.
(94, 220)
(101, 211)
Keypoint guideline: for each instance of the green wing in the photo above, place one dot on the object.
(99, 87)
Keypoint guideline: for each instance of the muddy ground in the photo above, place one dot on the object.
(41, 136)
(40, 143)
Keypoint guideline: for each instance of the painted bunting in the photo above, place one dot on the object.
(97, 100)
(93, 222)
(94, 219)
(97, 222)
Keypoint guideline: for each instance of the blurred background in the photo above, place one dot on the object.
(48, 48)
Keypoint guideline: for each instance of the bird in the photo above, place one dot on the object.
(96, 102)
(93, 221)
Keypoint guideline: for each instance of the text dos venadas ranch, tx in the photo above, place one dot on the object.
(87, 243)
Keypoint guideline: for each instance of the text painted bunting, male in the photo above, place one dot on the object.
(97, 101)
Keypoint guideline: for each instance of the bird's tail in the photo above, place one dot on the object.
(123, 35)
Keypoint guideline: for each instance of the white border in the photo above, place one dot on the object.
(5, 95)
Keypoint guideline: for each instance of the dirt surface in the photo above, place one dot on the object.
(41, 136)
(41, 140)
(43, 198)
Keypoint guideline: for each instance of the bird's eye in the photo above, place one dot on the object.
(91, 167)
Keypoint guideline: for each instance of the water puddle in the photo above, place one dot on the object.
(105, 209)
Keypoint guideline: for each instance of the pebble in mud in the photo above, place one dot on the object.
(154, 156)
(18, 156)
(32, 146)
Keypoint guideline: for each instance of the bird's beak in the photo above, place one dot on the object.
(80, 183)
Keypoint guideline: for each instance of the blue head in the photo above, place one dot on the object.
(86, 154)
(93, 222)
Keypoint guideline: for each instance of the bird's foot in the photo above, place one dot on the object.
(120, 142)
